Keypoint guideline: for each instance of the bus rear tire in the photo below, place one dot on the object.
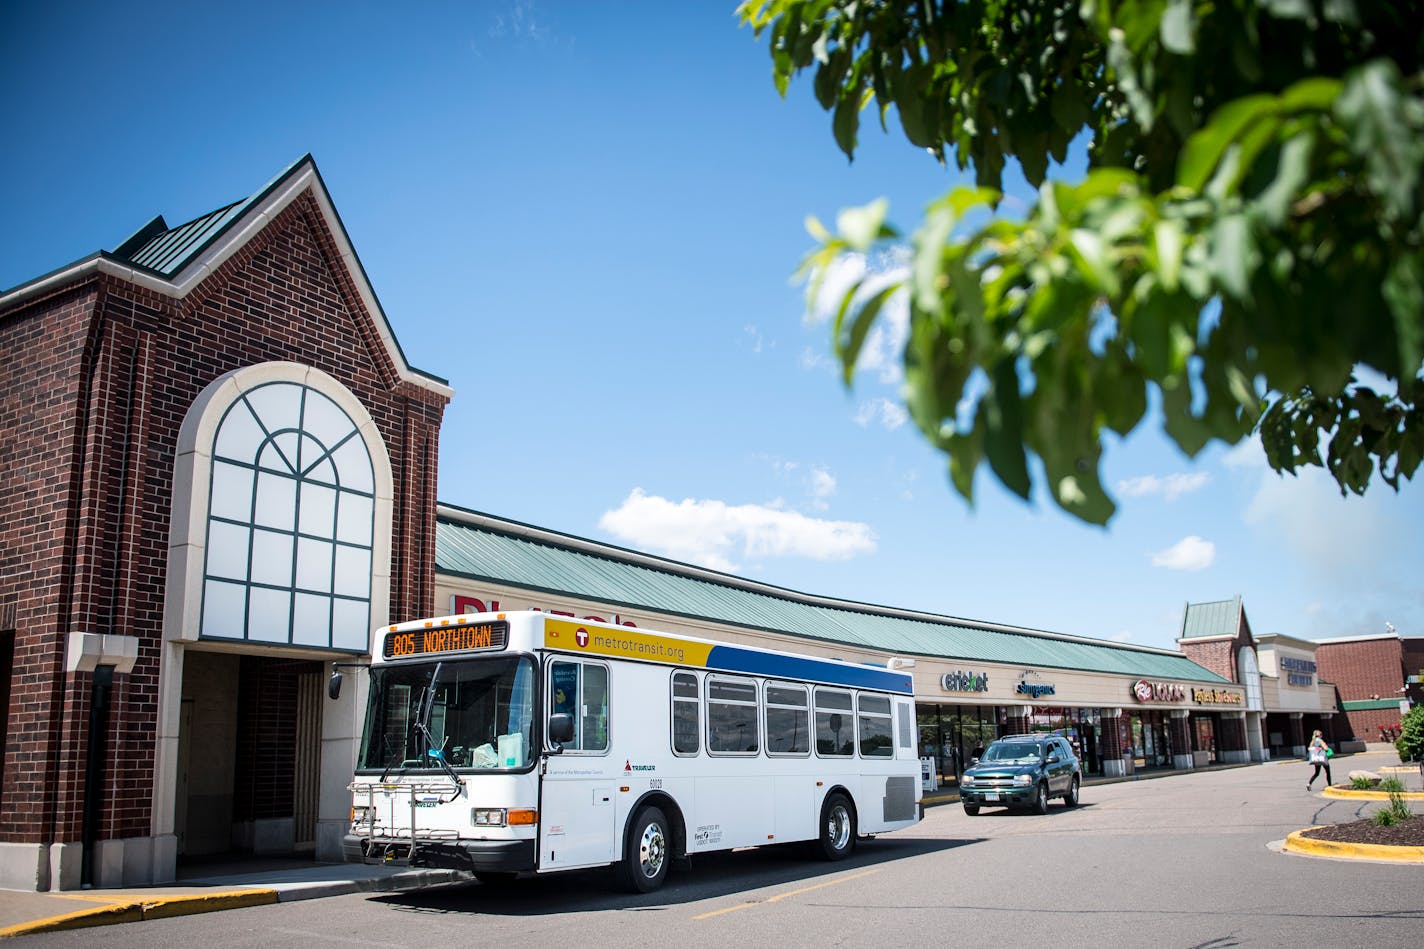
(837, 838)
(645, 853)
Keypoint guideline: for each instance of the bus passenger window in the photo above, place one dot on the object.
(835, 724)
(580, 689)
(787, 720)
(731, 716)
(876, 737)
(686, 709)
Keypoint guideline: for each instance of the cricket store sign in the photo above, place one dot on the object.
(1146, 691)
(961, 681)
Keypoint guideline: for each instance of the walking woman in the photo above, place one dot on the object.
(1318, 754)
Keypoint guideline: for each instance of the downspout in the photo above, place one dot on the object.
(94, 766)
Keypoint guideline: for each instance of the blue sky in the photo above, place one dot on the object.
(586, 217)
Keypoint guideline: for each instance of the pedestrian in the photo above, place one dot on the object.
(1318, 754)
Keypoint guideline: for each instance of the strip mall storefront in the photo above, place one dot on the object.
(1119, 724)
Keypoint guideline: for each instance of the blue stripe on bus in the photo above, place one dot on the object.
(734, 659)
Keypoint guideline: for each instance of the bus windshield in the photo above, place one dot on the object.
(478, 715)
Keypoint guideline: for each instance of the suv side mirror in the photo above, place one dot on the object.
(1053, 759)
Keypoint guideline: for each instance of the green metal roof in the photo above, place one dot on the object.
(1211, 619)
(516, 554)
(1362, 705)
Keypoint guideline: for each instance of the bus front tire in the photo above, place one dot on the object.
(645, 852)
(837, 838)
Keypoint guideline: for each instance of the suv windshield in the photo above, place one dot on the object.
(1004, 752)
(480, 715)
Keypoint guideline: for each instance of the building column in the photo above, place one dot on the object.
(1180, 730)
(1231, 742)
(1110, 741)
(1255, 736)
(1295, 733)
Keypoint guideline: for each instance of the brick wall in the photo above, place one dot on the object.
(1217, 655)
(99, 376)
(1366, 669)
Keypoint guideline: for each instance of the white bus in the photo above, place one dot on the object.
(511, 743)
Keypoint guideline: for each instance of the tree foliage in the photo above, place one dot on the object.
(1410, 743)
(1249, 233)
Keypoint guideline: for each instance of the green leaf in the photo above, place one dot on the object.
(1002, 413)
(1205, 149)
(1234, 256)
(1403, 290)
(848, 343)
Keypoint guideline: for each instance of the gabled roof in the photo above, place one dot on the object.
(172, 261)
(1217, 620)
(482, 547)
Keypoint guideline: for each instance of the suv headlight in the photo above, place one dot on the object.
(967, 781)
(1023, 779)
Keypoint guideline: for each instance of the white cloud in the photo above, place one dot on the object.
(1308, 517)
(1170, 486)
(1122, 636)
(713, 533)
(1189, 553)
(757, 341)
(889, 414)
(823, 484)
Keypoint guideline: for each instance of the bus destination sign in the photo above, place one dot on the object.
(465, 636)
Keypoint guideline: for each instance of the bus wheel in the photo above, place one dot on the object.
(645, 853)
(837, 838)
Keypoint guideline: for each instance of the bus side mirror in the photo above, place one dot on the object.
(561, 728)
(333, 686)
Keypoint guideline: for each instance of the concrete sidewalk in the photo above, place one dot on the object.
(230, 887)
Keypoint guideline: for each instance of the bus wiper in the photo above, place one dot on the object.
(422, 725)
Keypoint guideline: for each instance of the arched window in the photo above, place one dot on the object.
(290, 523)
(1250, 676)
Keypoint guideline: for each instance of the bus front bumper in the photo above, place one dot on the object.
(476, 856)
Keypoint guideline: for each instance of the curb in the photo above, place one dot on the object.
(130, 908)
(133, 910)
(1351, 793)
(1296, 843)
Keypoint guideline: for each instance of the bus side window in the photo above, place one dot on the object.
(876, 736)
(787, 719)
(686, 713)
(731, 716)
(835, 724)
(580, 689)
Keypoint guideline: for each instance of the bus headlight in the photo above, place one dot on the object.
(503, 817)
(360, 814)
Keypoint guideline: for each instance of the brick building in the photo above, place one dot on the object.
(221, 474)
(1371, 673)
(1287, 694)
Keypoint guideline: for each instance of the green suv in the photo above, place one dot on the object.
(1022, 771)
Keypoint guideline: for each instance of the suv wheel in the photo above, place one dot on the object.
(971, 809)
(1040, 799)
(1071, 798)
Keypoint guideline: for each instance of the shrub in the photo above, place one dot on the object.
(1361, 783)
(1410, 743)
(1396, 812)
(1391, 785)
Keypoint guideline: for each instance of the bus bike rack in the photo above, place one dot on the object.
(383, 849)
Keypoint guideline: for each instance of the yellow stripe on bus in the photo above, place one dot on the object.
(623, 642)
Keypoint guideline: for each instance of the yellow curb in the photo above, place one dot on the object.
(1297, 843)
(133, 910)
(1371, 795)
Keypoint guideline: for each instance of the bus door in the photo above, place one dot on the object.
(577, 823)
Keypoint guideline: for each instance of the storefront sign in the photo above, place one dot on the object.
(1146, 691)
(1299, 672)
(1217, 697)
(961, 681)
(1033, 689)
(471, 604)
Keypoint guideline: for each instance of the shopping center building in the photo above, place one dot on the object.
(222, 476)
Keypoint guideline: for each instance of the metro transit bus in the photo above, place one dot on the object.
(523, 742)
